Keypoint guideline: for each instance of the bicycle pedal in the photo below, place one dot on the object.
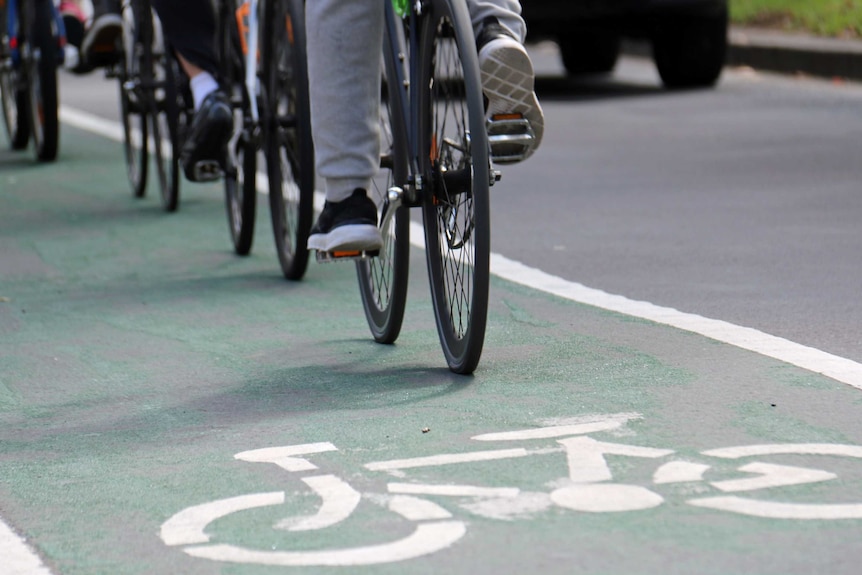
(346, 255)
(511, 137)
(207, 171)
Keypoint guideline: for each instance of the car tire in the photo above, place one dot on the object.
(690, 53)
(586, 51)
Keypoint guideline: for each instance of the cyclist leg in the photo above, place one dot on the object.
(189, 29)
(508, 79)
(344, 41)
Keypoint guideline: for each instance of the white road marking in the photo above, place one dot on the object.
(17, 557)
(416, 509)
(679, 472)
(776, 510)
(339, 501)
(453, 490)
(606, 497)
(427, 538)
(285, 457)
(838, 368)
(445, 459)
(788, 448)
(770, 475)
(612, 422)
(187, 526)
(586, 457)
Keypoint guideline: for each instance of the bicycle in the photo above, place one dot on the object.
(263, 65)
(435, 156)
(155, 103)
(32, 38)
(415, 485)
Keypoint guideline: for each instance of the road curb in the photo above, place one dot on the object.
(795, 53)
(784, 53)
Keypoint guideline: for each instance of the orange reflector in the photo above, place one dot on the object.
(507, 116)
(346, 254)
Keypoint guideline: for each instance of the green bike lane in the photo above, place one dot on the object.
(139, 357)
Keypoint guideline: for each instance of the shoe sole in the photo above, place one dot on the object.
(102, 46)
(509, 84)
(361, 238)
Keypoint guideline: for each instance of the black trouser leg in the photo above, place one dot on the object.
(190, 29)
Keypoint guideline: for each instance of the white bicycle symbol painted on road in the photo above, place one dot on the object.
(588, 488)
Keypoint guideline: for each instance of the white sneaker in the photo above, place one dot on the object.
(508, 81)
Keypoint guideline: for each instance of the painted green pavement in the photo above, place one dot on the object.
(139, 356)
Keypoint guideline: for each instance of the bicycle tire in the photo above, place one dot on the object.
(14, 102)
(132, 98)
(164, 105)
(167, 111)
(289, 148)
(42, 83)
(454, 151)
(383, 279)
(240, 180)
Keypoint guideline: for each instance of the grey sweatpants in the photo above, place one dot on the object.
(345, 38)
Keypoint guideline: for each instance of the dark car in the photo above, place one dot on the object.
(688, 37)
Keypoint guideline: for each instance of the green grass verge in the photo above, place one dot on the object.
(838, 18)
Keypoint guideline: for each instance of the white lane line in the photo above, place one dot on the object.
(16, 557)
(809, 358)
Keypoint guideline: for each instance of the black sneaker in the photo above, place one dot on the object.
(508, 81)
(99, 47)
(203, 152)
(348, 225)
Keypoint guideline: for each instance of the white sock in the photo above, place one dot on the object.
(202, 86)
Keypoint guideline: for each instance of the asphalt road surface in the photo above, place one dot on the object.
(167, 407)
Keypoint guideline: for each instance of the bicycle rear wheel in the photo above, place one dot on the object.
(289, 149)
(383, 279)
(457, 178)
(132, 103)
(42, 82)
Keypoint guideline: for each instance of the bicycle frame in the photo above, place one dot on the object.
(14, 30)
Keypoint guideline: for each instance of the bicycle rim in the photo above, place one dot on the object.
(42, 84)
(241, 195)
(132, 109)
(383, 279)
(241, 161)
(290, 152)
(165, 115)
(456, 204)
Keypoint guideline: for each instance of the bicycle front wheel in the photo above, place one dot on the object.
(456, 207)
(42, 83)
(290, 152)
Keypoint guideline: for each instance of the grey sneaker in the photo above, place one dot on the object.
(508, 81)
(348, 225)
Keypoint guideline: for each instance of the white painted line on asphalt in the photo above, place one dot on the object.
(838, 368)
(338, 501)
(453, 490)
(445, 459)
(809, 358)
(16, 557)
